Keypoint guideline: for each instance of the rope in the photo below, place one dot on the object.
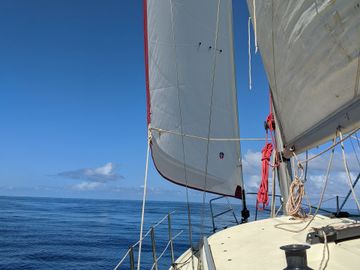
(255, 28)
(249, 53)
(154, 226)
(296, 194)
(348, 172)
(164, 250)
(181, 130)
(159, 130)
(279, 226)
(326, 248)
(355, 152)
(306, 165)
(262, 195)
(278, 211)
(122, 260)
(356, 138)
(144, 199)
(273, 190)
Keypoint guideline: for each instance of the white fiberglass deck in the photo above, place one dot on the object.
(256, 245)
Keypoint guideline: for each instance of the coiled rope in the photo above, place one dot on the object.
(326, 179)
(296, 194)
(262, 195)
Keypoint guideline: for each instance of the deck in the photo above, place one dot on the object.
(256, 245)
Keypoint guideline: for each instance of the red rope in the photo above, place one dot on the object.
(262, 196)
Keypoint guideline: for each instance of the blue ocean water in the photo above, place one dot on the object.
(51, 233)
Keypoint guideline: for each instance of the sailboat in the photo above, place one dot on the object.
(310, 51)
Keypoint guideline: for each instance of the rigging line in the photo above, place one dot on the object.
(278, 211)
(327, 149)
(181, 130)
(159, 130)
(210, 115)
(273, 188)
(355, 152)
(249, 53)
(122, 260)
(144, 199)
(321, 196)
(255, 27)
(154, 226)
(164, 250)
(306, 165)
(180, 265)
(355, 137)
(358, 141)
(348, 172)
(326, 248)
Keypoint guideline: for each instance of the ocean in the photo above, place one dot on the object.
(53, 233)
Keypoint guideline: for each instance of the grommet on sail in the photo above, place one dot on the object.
(191, 94)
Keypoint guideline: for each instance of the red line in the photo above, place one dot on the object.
(146, 47)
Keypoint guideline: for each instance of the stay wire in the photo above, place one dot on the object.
(210, 116)
(348, 171)
(144, 199)
(182, 137)
(355, 152)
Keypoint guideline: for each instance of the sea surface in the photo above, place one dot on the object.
(52, 233)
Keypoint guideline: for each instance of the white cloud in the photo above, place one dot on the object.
(252, 163)
(337, 183)
(101, 174)
(321, 163)
(87, 186)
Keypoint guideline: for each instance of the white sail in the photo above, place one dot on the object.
(310, 50)
(192, 93)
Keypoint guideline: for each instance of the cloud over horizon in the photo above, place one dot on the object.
(93, 177)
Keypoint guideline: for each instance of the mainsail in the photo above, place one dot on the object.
(310, 50)
(191, 94)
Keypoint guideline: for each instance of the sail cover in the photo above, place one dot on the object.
(310, 50)
(192, 94)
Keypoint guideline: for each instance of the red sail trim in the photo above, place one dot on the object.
(146, 53)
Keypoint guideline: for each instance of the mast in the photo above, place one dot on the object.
(284, 168)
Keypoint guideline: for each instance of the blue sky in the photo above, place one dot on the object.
(72, 100)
